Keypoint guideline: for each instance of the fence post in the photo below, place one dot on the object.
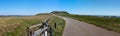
(43, 25)
(55, 25)
(28, 33)
(44, 33)
(51, 31)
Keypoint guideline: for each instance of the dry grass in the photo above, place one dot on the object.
(60, 24)
(16, 26)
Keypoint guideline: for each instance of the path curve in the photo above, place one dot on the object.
(79, 28)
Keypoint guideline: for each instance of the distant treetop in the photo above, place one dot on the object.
(60, 12)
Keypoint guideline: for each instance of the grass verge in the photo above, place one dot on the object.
(60, 25)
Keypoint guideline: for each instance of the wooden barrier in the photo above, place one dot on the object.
(44, 28)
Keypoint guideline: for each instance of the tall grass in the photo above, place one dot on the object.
(112, 23)
(16, 26)
(60, 25)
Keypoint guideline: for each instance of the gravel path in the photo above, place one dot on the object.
(79, 28)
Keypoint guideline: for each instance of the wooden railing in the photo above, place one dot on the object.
(44, 29)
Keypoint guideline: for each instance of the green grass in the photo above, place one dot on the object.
(21, 30)
(60, 25)
(112, 24)
(16, 26)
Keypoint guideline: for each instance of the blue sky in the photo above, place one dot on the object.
(83, 7)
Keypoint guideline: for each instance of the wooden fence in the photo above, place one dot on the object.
(44, 29)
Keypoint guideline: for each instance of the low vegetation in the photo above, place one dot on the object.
(108, 22)
(16, 26)
(60, 23)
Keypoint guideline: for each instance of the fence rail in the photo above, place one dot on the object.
(43, 30)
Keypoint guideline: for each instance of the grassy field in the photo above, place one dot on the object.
(16, 26)
(60, 25)
(110, 23)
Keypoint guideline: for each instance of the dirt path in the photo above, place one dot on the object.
(79, 28)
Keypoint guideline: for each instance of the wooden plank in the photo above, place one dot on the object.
(46, 33)
(40, 23)
(39, 31)
(46, 20)
(35, 25)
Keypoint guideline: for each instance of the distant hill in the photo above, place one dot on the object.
(56, 12)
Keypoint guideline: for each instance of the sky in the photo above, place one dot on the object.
(82, 7)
